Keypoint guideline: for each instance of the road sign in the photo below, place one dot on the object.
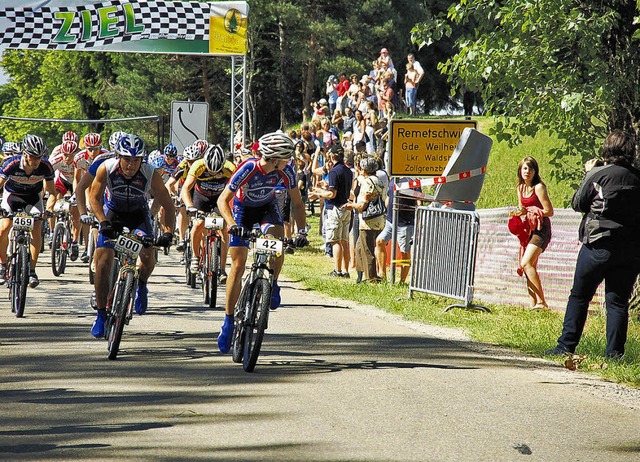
(189, 122)
(423, 147)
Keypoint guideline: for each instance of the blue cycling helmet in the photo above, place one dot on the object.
(11, 147)
(170, 150)
(131, 145)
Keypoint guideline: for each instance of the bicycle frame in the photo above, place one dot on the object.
(19, 259)
(60, 244)
(209, 263)
(251, 314)
(121, 301)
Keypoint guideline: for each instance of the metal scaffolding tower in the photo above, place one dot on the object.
(238, 101)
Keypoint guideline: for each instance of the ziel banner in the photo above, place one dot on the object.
(149, 26)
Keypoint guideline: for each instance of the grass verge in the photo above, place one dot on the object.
(506, 326)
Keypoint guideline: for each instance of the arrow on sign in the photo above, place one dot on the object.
(185, 127)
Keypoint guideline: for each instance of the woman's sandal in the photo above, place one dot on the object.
(540, 307)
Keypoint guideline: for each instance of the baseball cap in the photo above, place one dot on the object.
(384, 50)
(360, 144)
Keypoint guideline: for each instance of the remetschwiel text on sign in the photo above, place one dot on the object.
(423, 147)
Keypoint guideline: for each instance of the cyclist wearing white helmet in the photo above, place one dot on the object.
(118, 198)
(206, 179)
(252, 190)
(23, 176)
(114, 138)
(174, 184)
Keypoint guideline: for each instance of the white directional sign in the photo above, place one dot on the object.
(189, 122)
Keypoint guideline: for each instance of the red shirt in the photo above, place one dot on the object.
(343, 87)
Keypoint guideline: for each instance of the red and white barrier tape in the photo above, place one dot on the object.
(441, 179)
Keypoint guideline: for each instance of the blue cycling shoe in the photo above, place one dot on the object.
(226, 334)
(97, 330)
(142, 298)
(275, 296)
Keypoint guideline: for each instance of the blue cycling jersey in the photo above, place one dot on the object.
(124, 195)
(253, 187)
(97, 162)
(168, 169)
(17, 180)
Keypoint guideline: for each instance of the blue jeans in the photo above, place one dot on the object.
(410, 97)
(618, 267)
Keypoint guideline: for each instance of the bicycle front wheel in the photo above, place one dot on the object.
(256, 323)
(213, 271)
(242, 306)
(59, 245)
(123, 291)
(19, 280)
(91, 249)
(204, 275)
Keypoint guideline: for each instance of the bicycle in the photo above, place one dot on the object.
(210, 256)
(19, 258)
(187, 255)
(61, 241)
(121, 301)
(92, 241)
(251, 313)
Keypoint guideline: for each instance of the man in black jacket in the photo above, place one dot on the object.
(609, 198)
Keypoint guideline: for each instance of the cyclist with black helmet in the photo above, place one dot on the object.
(23, 178)
(118, 198)
(205, 181)
(252, 190)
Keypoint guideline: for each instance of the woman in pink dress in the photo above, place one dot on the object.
(536, 207)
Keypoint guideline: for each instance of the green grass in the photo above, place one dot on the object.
(507, 326)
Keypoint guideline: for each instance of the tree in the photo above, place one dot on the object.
(567, 66)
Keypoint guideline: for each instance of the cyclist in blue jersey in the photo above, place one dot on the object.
(22, 176)
(252, 189)
(118, 198)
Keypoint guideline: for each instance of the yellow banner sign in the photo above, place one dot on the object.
(423, 147)
(228, 32)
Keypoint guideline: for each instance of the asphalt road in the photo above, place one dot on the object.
(335, 382)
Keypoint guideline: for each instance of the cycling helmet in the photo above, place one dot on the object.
(201, 144)
(114, 138)
(131, 145)
(11, 147)
(155, 159)
(192, 152)
(170, 150)
(70, 136)
(276, 146)
(69, 147)
(214, 158)
(34, 146)
(92, 140)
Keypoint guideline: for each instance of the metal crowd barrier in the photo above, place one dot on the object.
(443, 256)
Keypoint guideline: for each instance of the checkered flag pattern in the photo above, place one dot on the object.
(36, 28)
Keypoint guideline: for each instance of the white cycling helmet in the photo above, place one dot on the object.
(192, 152)
(114, 138)
(276, 146)
(214, 158)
